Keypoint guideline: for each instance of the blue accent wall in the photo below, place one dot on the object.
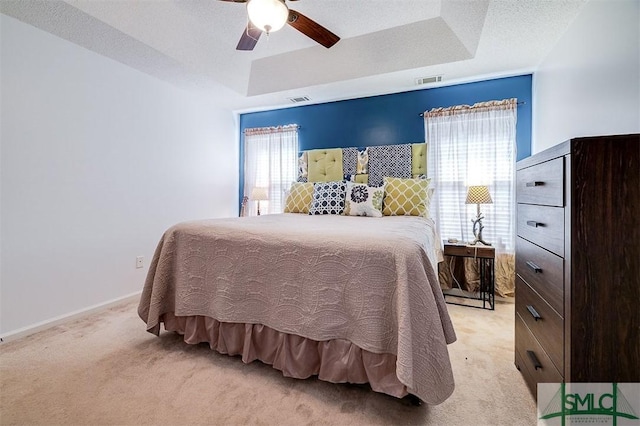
(390, 119)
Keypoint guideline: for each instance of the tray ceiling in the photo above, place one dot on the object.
(385, 44)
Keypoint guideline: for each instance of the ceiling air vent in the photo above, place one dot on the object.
(300, 99)
(426, 80)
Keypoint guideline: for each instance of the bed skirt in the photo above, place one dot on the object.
(336, 361)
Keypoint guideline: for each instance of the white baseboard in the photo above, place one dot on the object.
(43, 325)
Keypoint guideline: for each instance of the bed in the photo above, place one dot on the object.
(345, 298)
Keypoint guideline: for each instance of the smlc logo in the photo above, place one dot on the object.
(588, 403)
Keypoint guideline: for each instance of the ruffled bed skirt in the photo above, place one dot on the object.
(336, 361)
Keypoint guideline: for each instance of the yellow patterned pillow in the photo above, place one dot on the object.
(405, 197)
(299, 198)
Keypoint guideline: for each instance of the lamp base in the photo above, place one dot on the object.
(481, 241)
(477, 231)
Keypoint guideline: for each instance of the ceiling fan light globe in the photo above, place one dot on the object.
(267, 15)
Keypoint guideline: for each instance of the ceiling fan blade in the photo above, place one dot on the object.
(249, 38)
(312, 29)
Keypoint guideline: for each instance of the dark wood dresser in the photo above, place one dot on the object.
(578, 262)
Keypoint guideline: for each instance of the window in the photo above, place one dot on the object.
(271, 162)
(475, 146)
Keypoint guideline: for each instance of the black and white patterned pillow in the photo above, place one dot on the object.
(328, 197)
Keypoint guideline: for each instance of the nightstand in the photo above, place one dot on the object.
(485, 256)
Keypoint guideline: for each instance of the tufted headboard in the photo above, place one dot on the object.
(364, 165)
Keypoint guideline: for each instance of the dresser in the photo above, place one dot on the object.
(578, 262)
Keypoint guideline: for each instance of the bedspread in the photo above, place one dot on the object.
(371, 281)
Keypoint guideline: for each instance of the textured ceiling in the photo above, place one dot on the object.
(385, 44)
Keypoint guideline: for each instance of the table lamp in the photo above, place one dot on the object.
(259, 194)
(478, 194)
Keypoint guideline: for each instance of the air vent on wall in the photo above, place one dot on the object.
(300, 99)
(427, 80)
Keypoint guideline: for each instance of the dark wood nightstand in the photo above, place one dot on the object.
(485, 256)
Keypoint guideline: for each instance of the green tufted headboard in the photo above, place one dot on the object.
(364, 165)
(325, 165)
(418, 159)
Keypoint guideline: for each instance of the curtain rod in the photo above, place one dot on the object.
(517, 103)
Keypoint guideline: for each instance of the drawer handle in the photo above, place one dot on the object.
(535, 183)
(536, 316)
(534, 360)
(534, 223)
(536, 268)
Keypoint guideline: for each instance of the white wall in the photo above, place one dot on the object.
(97, 160)
(589, 84)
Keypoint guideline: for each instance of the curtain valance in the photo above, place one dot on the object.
(505, 104)
(269, 130)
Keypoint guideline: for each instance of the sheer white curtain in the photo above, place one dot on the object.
(475, 145)
(271, 161)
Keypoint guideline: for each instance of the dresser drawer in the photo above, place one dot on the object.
(541, 184)
(545, 323)
(543, 271)
(529, 380)
(534, 360)
(543, 226)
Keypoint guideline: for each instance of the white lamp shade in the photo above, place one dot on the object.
(267, 15)
(259, 193)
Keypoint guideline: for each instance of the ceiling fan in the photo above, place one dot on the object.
(271, 15)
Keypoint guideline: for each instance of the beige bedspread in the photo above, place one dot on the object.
(368, 280)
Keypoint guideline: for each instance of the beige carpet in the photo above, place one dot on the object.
(105, 369)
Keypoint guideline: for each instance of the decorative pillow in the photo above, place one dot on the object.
(302, 167)
(299, 198)
(328, 197)
(357, 178)
(406, 197)
(363, 161)
(363, 200)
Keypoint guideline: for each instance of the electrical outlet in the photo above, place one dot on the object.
(139, 261)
